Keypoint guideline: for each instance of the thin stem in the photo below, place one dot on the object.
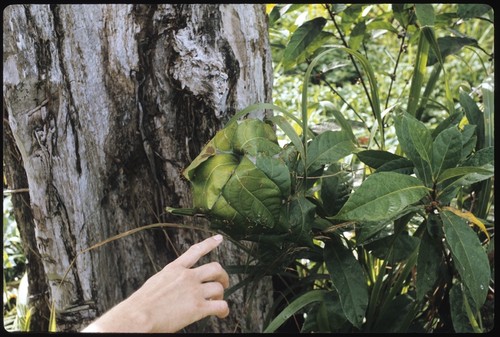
(344, 42)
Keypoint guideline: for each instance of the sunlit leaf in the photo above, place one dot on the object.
(253, 194)
(381, 196)
(301, 38)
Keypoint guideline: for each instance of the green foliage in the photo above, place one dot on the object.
(386, 217)
(17, 312)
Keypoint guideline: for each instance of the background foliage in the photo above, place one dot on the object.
(384, 219)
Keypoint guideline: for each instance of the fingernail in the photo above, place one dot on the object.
(218, 237)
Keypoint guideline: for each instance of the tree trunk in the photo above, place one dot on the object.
(105, 105)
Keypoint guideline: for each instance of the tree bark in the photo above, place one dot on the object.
(104, 106)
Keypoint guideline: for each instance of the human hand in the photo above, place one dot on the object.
(173, 298)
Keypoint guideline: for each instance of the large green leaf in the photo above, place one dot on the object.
(446, 150)
(416, 141)
(210, 177)
(458, 310)
(382, 196)
(348, 279)
(469, 257)
(276, 170)
(468, 174)
(253, 194)
(301, 38)
(327, 148)
(253, 136)
(428, 264)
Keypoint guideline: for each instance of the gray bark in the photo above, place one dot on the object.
(106, 104)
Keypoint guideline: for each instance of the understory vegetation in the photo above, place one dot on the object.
(369, 194)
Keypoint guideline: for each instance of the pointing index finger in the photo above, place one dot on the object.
(198, 250)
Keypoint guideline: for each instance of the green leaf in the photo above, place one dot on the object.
(469, 11)
(253, 136)
(210, 177)
(327, 148)
(428, 265)
(300, 214)
(449, 45)
(469, 140)
(276, 170)
(348, 279)
(297, 304)
(339, 119)
(458, 310)
(469, 257)
(381, 196)
(401, 165)
(452, 119)
(357, 35)
(425, 14)
(394, 248)
(416, 141)
(250, 192)
(390, 321)
(446, 150)
(475, 117)
(336, 185)
(468, 174)
(301, 38)
(377, 158)
(482, 158)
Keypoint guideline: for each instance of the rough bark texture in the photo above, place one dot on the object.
(104, 105)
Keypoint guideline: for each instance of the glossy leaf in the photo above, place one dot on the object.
(470, 259)
(382, 196)
(348, 279)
